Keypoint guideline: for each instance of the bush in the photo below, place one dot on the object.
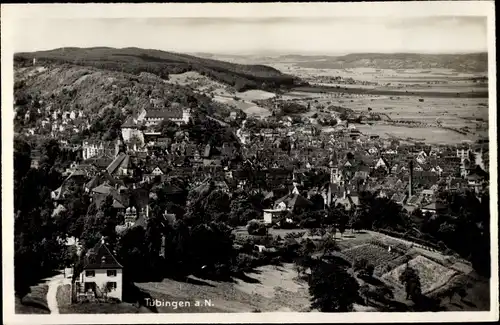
(256, 228)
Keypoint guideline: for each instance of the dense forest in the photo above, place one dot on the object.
(135, 61)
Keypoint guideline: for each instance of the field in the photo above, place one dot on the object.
(432, 275)
(268, 289)
(374, 254)
(454, 99)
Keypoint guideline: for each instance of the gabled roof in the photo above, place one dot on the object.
(116, 163)
(398, 197)
(294, 200)
(102, 189)
(118, 205)
(129, 123)
(100, 257)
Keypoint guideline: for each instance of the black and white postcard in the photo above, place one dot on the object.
(249, 162)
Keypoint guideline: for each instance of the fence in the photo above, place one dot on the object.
(417, 242)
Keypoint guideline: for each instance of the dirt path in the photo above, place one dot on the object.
(54, 283)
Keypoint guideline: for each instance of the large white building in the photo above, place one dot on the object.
(174, 113)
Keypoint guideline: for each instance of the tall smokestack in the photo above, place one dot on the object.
(410, 185)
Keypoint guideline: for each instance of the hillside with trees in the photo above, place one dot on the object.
(135, 61)
(101, 99)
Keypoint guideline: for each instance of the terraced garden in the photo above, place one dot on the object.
(432, 274)
(374, 254)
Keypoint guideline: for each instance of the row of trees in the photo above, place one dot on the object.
(37, 248)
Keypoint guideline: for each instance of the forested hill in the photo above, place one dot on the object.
(473, 62)
(135, 60)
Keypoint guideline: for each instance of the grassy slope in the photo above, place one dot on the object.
(35, 302)
(135, 60)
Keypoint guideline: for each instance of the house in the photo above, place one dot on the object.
(272, 214)
(421, 157)
(102, 274)
(35, 158)
(373, 151)
(120, 166)
(292, 202)
(399, 197)
(433, 208)
(100, 193)
(130, 130)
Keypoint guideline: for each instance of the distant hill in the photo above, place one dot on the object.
(474, 62)
(135, 60)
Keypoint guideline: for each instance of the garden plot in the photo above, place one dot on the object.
(374, 254)
(432, 275)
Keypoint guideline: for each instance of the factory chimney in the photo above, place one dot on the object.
(410, 184)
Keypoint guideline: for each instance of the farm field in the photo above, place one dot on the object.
(375, 255)
(250, 108)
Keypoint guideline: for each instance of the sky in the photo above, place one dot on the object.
(292, 35)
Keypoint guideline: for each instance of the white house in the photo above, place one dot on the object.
(373, 150)
(381, 163)
(270, 214)
(130, 130)
(102, 275)
(157, 171)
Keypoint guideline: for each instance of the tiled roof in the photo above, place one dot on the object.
(434, 206)
(398, 197)
(100, 257)
(294, 200)
(129, 123)
(165, 113)
(115, 163)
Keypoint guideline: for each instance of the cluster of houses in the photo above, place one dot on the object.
(59, 123)
(273, 161)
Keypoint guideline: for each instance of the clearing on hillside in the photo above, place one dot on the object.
(268, 289)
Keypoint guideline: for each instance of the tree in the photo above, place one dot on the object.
(242, 210)
(256, 228)
(410, 279)
(332, 288)
(364, 269)
(318, 202)
(167, 128)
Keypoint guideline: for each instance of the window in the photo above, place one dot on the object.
(111, 286)
(89, 274)
(111, 272)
